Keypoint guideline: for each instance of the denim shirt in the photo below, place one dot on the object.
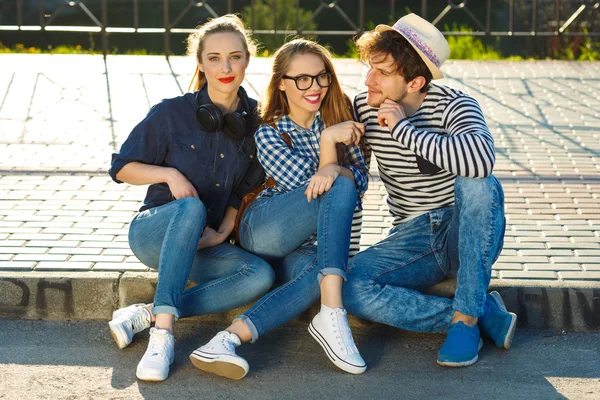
(221, 170)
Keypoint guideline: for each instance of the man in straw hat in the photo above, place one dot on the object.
(435, 156)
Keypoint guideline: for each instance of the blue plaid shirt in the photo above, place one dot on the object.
(292, 168)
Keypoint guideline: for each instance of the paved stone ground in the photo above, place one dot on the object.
(62, 116)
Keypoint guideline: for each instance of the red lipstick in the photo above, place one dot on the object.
(227, 79)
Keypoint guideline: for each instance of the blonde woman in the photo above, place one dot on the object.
(315, 197)
(198, 155)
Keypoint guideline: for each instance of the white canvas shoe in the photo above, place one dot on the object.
(218, 357)
(330, 329)
(154, 365)
(127, 322)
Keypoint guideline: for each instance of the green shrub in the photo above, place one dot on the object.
(469, 47)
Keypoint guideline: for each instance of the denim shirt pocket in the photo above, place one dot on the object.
(190, 155)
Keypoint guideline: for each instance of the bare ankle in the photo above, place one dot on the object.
(465, 319)
(241, 330)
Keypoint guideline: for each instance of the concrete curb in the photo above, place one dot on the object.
(568, 305)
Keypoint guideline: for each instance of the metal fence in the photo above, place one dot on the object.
(547, 18)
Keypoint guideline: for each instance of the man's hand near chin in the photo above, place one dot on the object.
(390, 113)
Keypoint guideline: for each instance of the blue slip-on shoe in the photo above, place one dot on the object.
(496, 322)
(461, 347)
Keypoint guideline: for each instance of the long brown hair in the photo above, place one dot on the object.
(195, 42)
(336, 106)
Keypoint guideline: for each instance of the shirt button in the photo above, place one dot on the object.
(193, 147)
(218, 185)
(251, 156)
(222, 155)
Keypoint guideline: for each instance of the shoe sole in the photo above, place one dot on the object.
(513, 323)
(464, 363)
(219, 365)
(151, 377)
(341, 364)
(118, 335)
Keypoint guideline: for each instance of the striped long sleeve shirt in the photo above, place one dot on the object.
(419, 160)
(294, 167)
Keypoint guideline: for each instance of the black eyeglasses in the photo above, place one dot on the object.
(304, 82)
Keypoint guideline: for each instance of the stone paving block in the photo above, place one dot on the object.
(552, 267)
(60, 213)
(585, 239)
(27, 218)
(548, 253)
(6, 231)
(69, 230)
(48, 224)
(106, 245)
(12, 243)
(576, 259)
(78, 219)
(578, 245)
(20, 250)
(16, 265)
(99, 225)
(595, 253)
(523, 245)
(96, 258)
(93, 205)
(123, 220)
(580, 276)
(36, 236)
(91, 238)
(506, 266)
(118, 252)
(76, 250)
(52, 243)
(40, 257)
(63, 266)
(37, 206)
(528, 275)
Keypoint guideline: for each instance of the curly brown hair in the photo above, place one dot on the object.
(408, 62)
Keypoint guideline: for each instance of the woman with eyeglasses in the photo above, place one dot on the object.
(303, 224)
(197, 153)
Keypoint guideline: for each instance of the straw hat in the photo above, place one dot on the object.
(425, 38)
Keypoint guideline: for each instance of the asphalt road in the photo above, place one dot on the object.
(78, 360)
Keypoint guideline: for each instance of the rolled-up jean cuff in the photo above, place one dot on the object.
(246, 320)
(165, 310)
(331, 271)
(471, 311)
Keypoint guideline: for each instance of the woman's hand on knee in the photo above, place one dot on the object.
(322, 181)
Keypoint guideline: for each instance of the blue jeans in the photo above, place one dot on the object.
(297, 273)
(386, 281)
(166, 238)
(275, 227)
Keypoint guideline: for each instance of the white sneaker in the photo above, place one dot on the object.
(330, 329)
(127, 322)
(154, 365)
(218, 356)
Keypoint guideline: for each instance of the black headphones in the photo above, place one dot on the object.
(211, 119)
